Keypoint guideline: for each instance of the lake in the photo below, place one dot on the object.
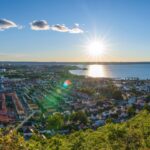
(141, 71)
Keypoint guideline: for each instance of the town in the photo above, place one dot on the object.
(48, 99)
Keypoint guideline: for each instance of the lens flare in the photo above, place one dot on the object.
(67, 83)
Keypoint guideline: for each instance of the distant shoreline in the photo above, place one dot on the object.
(70, 63)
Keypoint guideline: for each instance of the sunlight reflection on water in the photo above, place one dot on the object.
(96, 71)
(141, 71)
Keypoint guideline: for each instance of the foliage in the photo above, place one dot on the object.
(87, 90)
(131, 111)
(55, 121)
(131, 135)
(79, 116)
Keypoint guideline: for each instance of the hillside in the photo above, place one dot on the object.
(134, 135)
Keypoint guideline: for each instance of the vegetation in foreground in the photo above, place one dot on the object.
(131, 135)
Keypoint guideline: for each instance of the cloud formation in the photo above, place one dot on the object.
(39, 25)
(76, 29)
(6, 24)
(59, 28)
(43, 25)
(62, 28)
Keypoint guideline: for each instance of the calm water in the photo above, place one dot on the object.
(141, 71)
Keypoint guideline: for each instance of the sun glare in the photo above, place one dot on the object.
(96, 48)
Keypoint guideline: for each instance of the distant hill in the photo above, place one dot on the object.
(131, 135)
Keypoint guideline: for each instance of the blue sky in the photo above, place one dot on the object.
(124, 24)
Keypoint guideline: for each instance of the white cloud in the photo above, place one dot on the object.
(76, 29)
(43, 25)
(6, 24)
(62, 28)
(39, 25)
(59, 28)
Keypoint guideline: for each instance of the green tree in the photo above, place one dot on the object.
(55, 121)
(79, 116)
(131, 111)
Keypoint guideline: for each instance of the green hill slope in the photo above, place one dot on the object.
(131, 135)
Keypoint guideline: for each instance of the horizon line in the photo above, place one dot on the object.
(73, 62)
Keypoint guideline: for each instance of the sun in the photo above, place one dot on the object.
(96, 48)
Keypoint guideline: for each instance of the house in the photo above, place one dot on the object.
(99, 123)
(131, 101)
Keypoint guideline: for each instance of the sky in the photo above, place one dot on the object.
(61, 30)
